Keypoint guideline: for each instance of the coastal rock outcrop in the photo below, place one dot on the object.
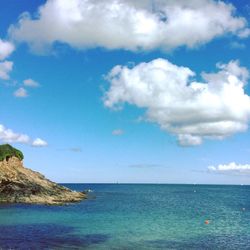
(22, 185)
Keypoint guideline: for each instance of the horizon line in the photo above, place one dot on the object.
(149, 183)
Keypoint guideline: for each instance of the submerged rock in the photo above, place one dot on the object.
(22, 185)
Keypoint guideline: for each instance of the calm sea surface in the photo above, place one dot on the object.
(119, 216)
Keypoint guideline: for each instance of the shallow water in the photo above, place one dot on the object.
(119, 216)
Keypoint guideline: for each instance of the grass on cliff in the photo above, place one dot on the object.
(7, 151)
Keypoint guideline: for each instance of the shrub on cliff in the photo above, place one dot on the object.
(7, 151)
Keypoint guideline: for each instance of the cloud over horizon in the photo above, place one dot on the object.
(231, 168)
(216, 108)
(129, 25)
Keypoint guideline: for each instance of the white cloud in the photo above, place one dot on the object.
(8, 136)
(127, 24)
(231, 168)
(5, 69)
(31, 83)
(215, 108)
(21, 92)
(244, 33)
(39, 143)
(117, 132)
(6, 48)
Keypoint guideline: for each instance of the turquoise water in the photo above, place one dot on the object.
(119, 216)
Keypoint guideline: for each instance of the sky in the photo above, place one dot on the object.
(149, 91)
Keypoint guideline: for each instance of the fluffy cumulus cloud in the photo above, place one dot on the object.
(31, 83)
(6, 48)
(215, 108)
(127, 24)
(231, 168)
(39, 143)
(5, 69)
(9, 136)
(21, 93)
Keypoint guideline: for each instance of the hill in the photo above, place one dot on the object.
(22, 185)
(7, 151)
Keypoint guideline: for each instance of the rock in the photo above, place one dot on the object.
(22, 185)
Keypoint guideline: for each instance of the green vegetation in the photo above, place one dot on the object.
(7, 151)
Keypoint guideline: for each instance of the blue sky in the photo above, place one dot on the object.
(59, 99)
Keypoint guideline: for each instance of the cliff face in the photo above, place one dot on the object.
(21, 185)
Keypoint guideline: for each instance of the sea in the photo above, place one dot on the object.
(134, 216)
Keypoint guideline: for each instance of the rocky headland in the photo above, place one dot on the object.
(22, 185)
